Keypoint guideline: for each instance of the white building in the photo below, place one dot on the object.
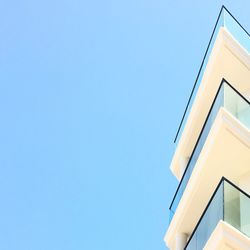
(211, 207)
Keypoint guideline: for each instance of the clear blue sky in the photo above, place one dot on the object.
(91, 95)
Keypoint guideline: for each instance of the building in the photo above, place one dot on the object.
(211, 206)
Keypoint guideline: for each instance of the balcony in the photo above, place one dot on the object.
(227, 56)
(227, 21)
(226, 137)
(229, 204)
(215, 129)
(233, 102)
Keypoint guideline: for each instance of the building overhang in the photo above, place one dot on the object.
(227, 237)
(226, 152)
(228, 60)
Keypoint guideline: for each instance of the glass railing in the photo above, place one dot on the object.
(226, 20)
(229, 98)
(228, 203)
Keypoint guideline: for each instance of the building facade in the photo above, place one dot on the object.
(211, 206)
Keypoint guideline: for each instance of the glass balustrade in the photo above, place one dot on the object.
(228, 203)
(227, 21)
(238, 106)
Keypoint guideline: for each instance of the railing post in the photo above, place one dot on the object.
(223, 200)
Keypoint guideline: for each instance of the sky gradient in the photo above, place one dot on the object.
(91, 96)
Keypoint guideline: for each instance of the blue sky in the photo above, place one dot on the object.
(91, 95)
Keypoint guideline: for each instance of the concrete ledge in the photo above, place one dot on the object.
(227, 237)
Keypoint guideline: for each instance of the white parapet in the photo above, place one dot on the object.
(227, 237)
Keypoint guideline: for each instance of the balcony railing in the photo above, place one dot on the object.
(236, 104)
(226, 20)
(228, 203)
